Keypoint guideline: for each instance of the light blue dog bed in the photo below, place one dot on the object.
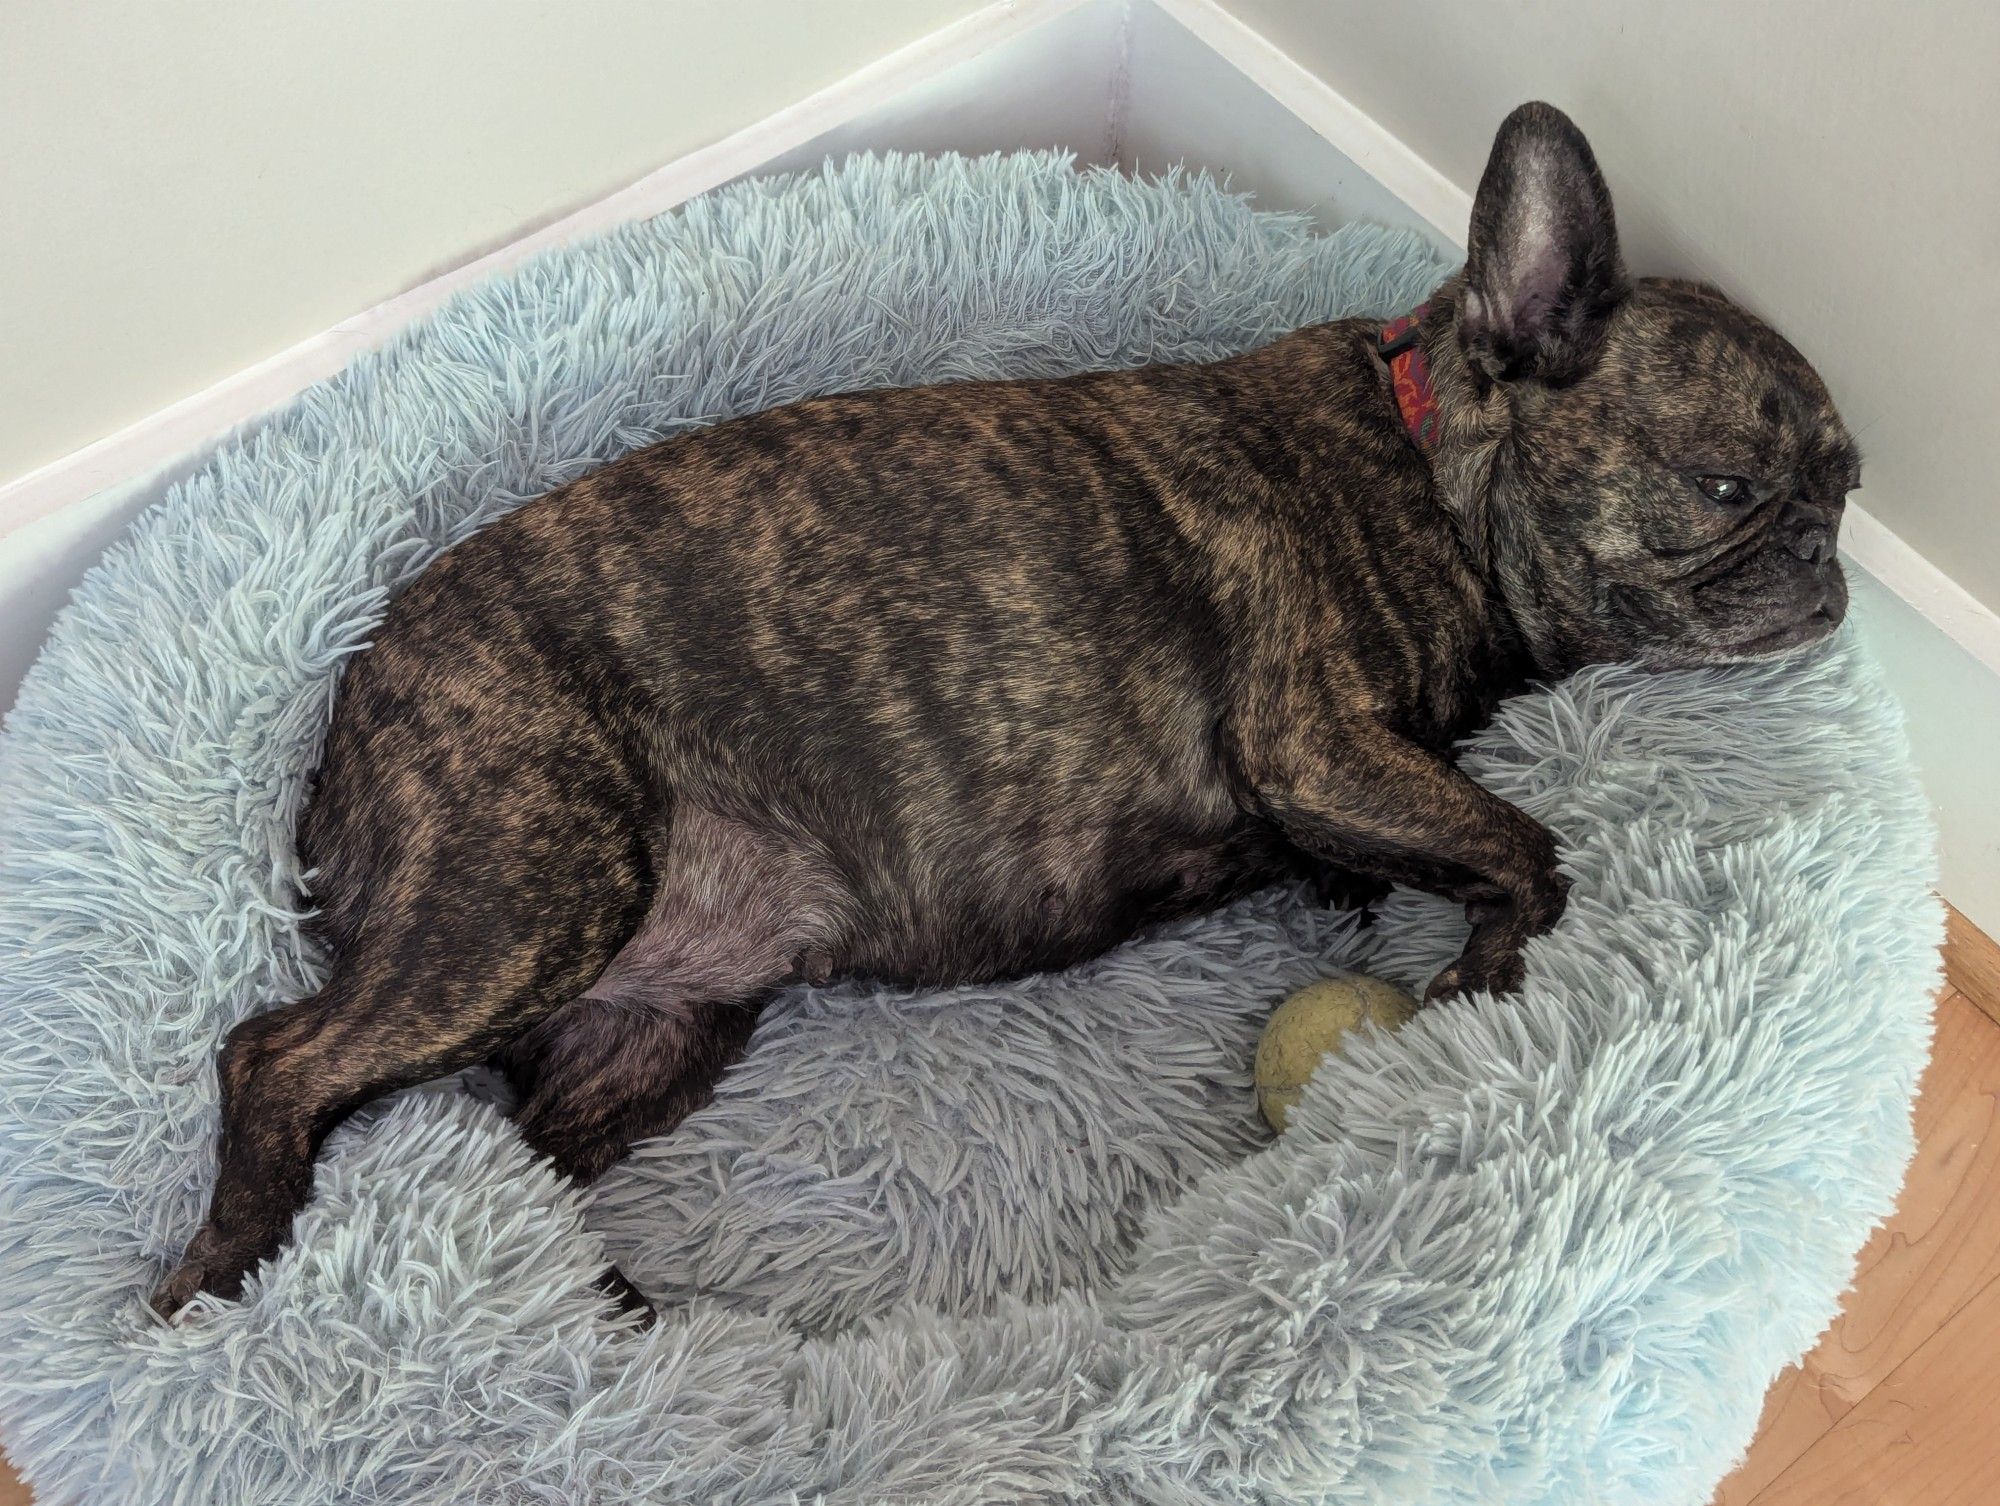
(1000, 1245)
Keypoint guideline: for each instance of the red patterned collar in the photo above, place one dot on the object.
(1410, 375)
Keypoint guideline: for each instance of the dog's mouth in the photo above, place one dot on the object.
(1793, 635)
(1814, 626)
(1826, 613)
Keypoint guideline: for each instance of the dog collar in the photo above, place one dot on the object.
(1410, 375)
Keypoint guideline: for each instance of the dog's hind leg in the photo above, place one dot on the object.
(482, 917)
(737, 912)
(597, 1076)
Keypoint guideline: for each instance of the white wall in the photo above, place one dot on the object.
(187, 186)
(1834, 165)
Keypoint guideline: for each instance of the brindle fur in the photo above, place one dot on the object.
(960, 682)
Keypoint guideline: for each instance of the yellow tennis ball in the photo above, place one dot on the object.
(1312, 1022)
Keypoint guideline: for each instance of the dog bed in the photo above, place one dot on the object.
(1008, 1244)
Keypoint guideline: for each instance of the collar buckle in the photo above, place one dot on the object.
(1410, 375)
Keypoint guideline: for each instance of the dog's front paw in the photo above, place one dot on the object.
(1500, 974)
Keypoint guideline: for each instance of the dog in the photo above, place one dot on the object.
(957, 683)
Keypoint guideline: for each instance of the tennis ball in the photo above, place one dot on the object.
(1312, 1022)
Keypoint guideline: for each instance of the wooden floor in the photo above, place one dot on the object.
(1898, 1405)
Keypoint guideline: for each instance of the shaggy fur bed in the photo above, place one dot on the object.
(1010, 1244)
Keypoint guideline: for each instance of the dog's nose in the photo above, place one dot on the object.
(1809, 535)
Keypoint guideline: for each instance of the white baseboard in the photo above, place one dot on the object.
(1947, 605)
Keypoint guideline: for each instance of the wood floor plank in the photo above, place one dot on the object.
(12, 1491)
(1972, 962)
(1799, 1410)
(1923, 1437)
(1938, 1250)
(1942, 1244)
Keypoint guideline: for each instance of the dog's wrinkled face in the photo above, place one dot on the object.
(1673, 471)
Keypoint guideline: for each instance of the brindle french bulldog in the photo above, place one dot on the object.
(959, 682)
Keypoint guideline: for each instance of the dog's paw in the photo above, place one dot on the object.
(205, 1267)
(1471, 975)
(188, 1281)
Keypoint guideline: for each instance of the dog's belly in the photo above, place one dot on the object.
(1024, 908)
(738, 899)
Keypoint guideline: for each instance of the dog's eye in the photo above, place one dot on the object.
(1724, 489)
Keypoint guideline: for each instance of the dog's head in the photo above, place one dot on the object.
(1667, 472)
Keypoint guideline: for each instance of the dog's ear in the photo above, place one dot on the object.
(1542, 270)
